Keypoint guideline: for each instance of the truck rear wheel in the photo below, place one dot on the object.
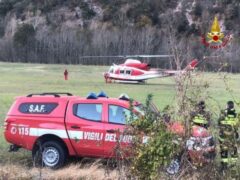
(50, 154)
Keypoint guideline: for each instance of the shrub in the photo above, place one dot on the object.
(197, 11)
(2, 30)
(48, 5)
(87, 12)
(144, 21)
(154, 155)
(181, 23)
(5, 7)
(19, 8)
(24, 34)
(232, 12)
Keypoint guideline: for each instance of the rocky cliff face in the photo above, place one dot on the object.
(62, 31)
(60, 17)
(46, 15)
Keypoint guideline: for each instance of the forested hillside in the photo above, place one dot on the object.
(61, 31)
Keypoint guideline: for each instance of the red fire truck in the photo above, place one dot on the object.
(57, 125)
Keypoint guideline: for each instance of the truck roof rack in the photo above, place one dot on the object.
(55, 94)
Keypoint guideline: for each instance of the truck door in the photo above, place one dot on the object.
(84, 123)
(116, 138)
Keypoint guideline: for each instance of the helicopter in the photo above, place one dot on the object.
(133, 70)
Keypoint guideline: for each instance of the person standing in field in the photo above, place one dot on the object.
(228, 135)
(65, 74)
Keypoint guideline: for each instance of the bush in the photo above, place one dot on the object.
(181, 23)
(156, 154)
(24, 34)
(229, 24)
(2, 31)
(232, 12)
(149, 9)
(48, 5)
(19, 8)
(5, 7)
(197, 11)
(144, 21)
(87, 12)
(215, 10)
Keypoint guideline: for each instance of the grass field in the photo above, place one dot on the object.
(22, 79)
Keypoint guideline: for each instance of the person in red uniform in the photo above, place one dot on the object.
(65, 74)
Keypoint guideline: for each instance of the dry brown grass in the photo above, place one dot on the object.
(96, 170)
(93, 171)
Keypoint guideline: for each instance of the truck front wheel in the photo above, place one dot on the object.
(50, 154)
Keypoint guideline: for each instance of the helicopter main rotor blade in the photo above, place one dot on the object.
(129, 56)
(153, 56)
(100, 56)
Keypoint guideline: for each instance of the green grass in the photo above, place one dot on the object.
(21, 79)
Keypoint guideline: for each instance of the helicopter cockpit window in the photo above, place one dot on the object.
(111, 70)
(128, 72)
